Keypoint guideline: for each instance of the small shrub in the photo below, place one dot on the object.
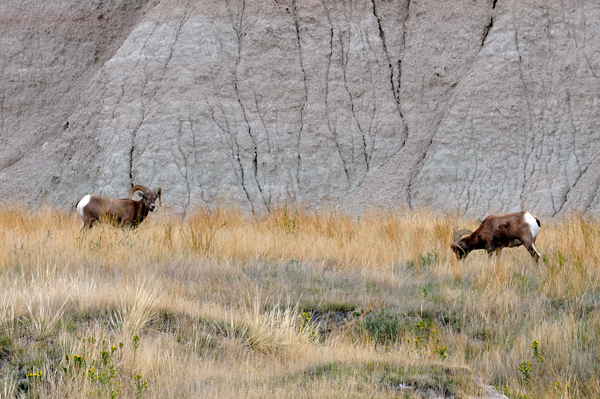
(140, 385)
(525, 369)
(536, 351)
(101, 369)
(442, 352)
(383, 327)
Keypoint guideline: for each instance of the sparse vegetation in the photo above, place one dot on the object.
(292, 304)
(383, 327)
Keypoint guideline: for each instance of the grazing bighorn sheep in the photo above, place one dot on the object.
(125, 212)
(497, 232)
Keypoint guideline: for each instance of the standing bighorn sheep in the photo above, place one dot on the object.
(497, 232)
(125, 212)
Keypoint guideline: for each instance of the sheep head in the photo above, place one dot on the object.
(148, 196)
(459, 247)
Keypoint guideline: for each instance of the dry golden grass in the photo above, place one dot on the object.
(292, 304)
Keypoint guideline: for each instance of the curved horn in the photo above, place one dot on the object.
(459, 235)
(453, 245)
(137, 188)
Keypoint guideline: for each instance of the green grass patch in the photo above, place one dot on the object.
(408, 381)
(383, 327)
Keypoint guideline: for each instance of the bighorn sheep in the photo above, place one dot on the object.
(497, 232)
(125, 212)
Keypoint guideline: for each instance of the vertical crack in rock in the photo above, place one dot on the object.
(194, 149)
(263, 123)
(475, 169)
(345, 58)
(333, 130)
(566, 195)
(585, 54)
(395, 88)
(405, 29)
(164, 73)
(2, 114)
(400, 86)
(573, 142)
(239, 33)
(486, 31)
(305, 99)
(177, 34)
(131, 160)
(184, 174)
(152, 94)
(245, 113)
(134, 132)
(494, 4)
(235, 154)
(573, 127)
(528, 149)
(487, 28)
(132, 149)
(365, 132)
(268, 200)
(596, 185)
(252, 138)
(118, 102)
(371, 135)
(403, 46)
(418, 167)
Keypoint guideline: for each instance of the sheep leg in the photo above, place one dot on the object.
(494, 252)
(86, 225)
(534, 252)
(528, 243)
(490, 249)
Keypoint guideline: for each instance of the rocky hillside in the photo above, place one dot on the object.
(461, 105)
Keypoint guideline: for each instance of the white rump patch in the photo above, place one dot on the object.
(84, 201)
(533, 224)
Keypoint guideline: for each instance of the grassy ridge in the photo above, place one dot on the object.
(293, 304)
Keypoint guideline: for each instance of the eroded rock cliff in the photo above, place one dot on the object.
(469, 106)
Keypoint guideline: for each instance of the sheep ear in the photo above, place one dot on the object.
(159, 192)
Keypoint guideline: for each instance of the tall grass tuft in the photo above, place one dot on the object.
(135, 313)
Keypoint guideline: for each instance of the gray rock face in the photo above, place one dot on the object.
(49, 52)
(516, 125)
(461, 105)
